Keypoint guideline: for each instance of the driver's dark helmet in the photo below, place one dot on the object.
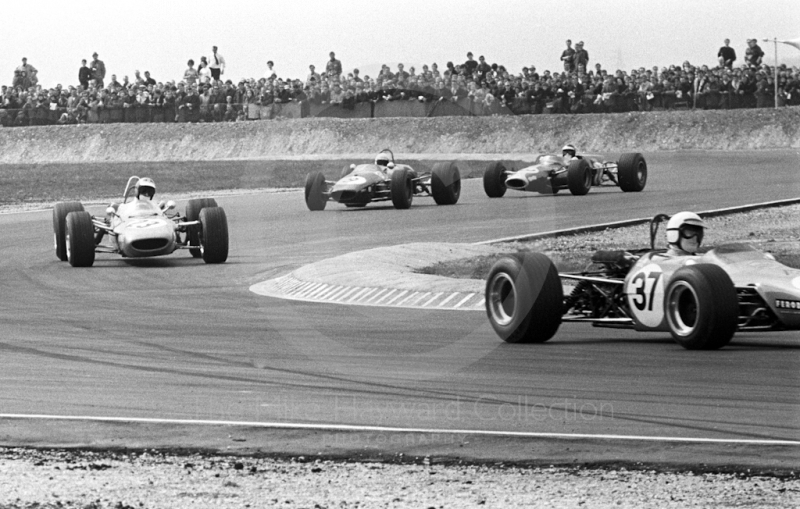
(383, 158)
(145, 187)
(568, 150)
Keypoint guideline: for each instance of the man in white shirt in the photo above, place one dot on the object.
(271, 72)
(216, 63)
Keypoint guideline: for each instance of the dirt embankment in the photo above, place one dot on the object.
(646, 132)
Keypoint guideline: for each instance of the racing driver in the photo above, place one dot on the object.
(145, 187)
(684, 234)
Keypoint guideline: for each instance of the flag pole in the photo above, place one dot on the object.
(775, 70)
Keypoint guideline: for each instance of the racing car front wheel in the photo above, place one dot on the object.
(193, 209)
(402, 188)
(214, 235)
(632, 172)
(79, 239)
(494, 180)
(702, 307)
(445, 183)
(579, 177)
(315, 191)
(60, 212)
(524, 298)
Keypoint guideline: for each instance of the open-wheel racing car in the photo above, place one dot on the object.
(384, 180)
(140, 228)
(701, 300)
(551, 173)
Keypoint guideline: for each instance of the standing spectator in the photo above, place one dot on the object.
(470, 65)
(581, 58)
(270, 72)
(753, 55)
(313, 76)
(84, 75)
(726, 55)
(147, 79)
(483, 68)
(203, 71)
(190, 75)
(216, 64)
(334, 67)
(567, 56)
(98, 70)
(29, 70)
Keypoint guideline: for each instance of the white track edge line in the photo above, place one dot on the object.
(389, 429)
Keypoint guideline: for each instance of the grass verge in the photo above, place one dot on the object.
(774, 230)
(22, 184)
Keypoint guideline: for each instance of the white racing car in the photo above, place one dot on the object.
(140, 228)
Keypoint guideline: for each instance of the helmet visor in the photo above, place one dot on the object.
(691, 232)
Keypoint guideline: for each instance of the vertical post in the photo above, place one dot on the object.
(776, 72)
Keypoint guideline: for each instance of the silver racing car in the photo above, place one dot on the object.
(701, 300)
(139, 228)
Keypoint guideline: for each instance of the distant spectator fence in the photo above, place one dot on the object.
(429, 107)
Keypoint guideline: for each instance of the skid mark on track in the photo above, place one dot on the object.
(289, 287)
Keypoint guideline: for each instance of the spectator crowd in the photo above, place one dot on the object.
(203, 93)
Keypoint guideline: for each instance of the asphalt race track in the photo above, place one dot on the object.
(173, 338)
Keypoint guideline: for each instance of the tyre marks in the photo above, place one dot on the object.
(289, 287)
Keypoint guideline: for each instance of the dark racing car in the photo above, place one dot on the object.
(551, 173)
(384, 180)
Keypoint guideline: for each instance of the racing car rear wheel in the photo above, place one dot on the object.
(632, 172)
(79, 239)
(494, 180)
(345, 171)
(193, 209)
(315, 191)
(402, 188)
(214, 235)
(579, 177)
(445, 183)
(702, 307)
(60, 212)
(524, 298)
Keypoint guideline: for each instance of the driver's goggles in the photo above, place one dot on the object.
(690, 233)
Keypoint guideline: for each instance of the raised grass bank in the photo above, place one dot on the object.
(622, 132)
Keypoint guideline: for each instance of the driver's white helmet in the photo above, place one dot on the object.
(383, 158)
(145, 186)
(568, 149)
(683, 226)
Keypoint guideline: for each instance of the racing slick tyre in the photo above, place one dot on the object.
(445, 183)
(579, 177)
(701, 307)
(494, 180)
(345, 171)
(632, 172)
(315, 191)
(402, 188)
(193, 209)
(214, 235)
(60, 212)
(524, 298)
(79, 239)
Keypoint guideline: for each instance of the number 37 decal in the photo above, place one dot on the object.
(645, 292)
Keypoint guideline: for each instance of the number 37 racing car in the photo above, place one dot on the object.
(139, 228)
(701, 300)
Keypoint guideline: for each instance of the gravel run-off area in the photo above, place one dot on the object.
(70, 479)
